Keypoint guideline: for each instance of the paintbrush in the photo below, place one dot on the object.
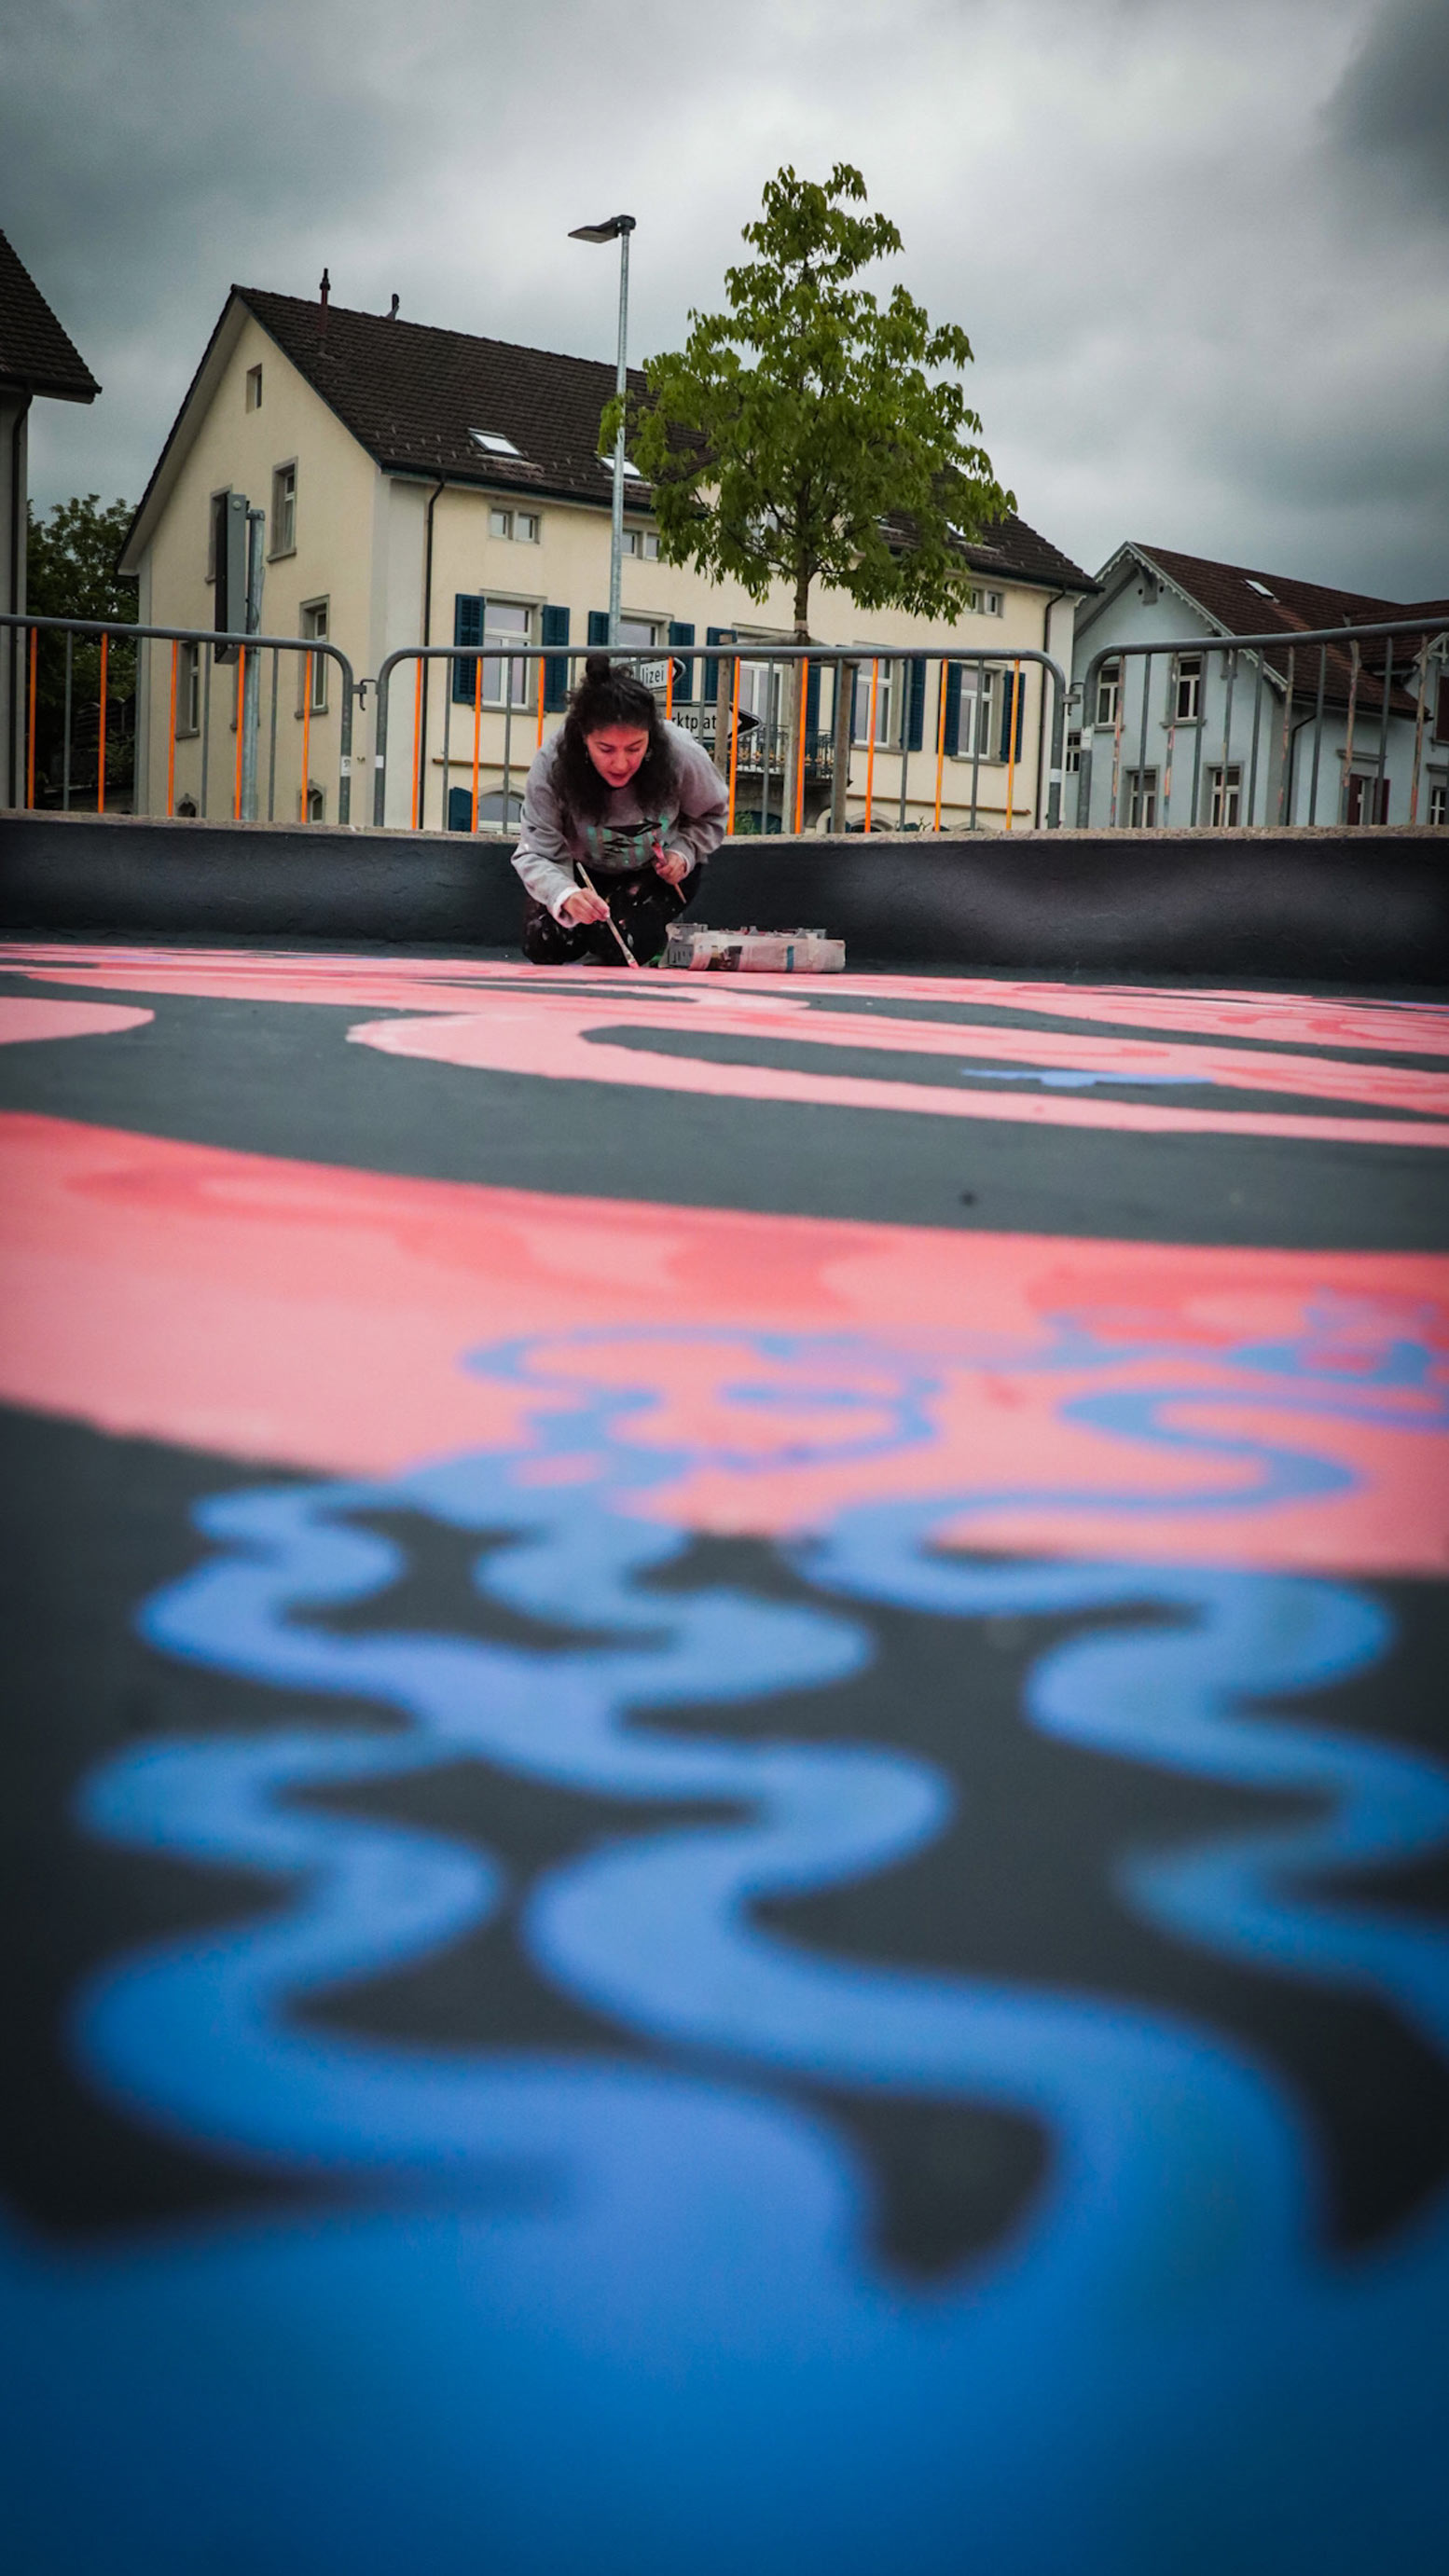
(613, 925)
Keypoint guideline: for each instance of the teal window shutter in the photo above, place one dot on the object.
(681, 637)
(554, 629)
(713, 635)
(916, 703)
(460, 809)
(467, 629)
(598, 628)
(953, 709)
(812, 706)
(1013, 703)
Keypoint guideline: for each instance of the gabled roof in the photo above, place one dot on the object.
(413, 395)
(36, 353)
(1239, 601)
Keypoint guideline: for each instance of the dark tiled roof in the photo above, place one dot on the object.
(34, 350)
(1291, 607)
(412, 394)
(1014, 552)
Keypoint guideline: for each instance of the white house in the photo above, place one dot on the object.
(424, 486)
(1288, 733)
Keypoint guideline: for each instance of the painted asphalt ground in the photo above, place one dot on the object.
(725, 1768)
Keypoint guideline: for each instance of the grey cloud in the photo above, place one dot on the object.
(1392, 106)
(1164, 229)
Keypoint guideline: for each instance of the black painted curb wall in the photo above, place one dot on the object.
(1369, 906)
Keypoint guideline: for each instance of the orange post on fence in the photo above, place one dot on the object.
(417, 738)
(30, 724)
(306, 737)
(870, 746)
(538, 684)
(477, 727)
(734, 744)
(804, 703)
(101, 739)
(171, 737)
(940, 741)
(241, 730)
(668, 688)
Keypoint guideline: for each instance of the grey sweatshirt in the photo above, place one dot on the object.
(691, 823)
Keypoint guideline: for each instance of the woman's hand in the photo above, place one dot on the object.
(582, 906)
(671, 865)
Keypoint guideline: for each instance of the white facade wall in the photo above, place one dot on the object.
(361, 545)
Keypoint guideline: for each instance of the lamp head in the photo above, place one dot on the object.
(606, 232)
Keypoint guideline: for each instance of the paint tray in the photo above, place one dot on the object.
(753, 952)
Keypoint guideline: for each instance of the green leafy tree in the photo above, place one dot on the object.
(811, 433)
(70, 571)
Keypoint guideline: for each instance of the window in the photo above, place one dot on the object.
(1439, 800)
(1261, 588)
(1441, 711)
(1187, 688)
(503, 621)
(254, 388)
(887, 686)
(521, 525)
(494, 441)
(500, 523)
(188, 689)
(977, 716)
(314, 622)
(284, 510)
(1225, 797)
(316, 805)
(631, 471)
(643, 543)
(1139, 800)
(1074, 755)
(1366, 799)
(1109, 692)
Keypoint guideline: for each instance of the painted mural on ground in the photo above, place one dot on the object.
(761, 1890)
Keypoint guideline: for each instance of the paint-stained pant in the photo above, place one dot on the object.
(643, 905)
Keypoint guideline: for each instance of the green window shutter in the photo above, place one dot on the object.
(916, 703)
(460, 809)
(713, 635)
(554, 629)
(953, 709)
(1013, 703)
(598, 628)
(812, 705)
(467, 629)
(681, 637)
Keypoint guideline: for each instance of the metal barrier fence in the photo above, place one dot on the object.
(882, 710)
(76, 714)
(1246, 763)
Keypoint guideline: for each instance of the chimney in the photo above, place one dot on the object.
(392, 317)
(325, 289)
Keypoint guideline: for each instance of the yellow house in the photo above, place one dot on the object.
(424, 486)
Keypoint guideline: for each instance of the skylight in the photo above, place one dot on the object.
(494, 441)
(607, 463)
(1261, 588)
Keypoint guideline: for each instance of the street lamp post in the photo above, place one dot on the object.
(620, 227)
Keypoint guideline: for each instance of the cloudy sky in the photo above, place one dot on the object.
(1202, 252)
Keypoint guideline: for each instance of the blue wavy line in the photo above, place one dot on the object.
(1152, 2121)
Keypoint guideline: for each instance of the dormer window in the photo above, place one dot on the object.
(494, 442)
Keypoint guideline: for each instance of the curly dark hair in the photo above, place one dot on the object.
(607, 695)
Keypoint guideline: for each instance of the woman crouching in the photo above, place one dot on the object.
(630, 802)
